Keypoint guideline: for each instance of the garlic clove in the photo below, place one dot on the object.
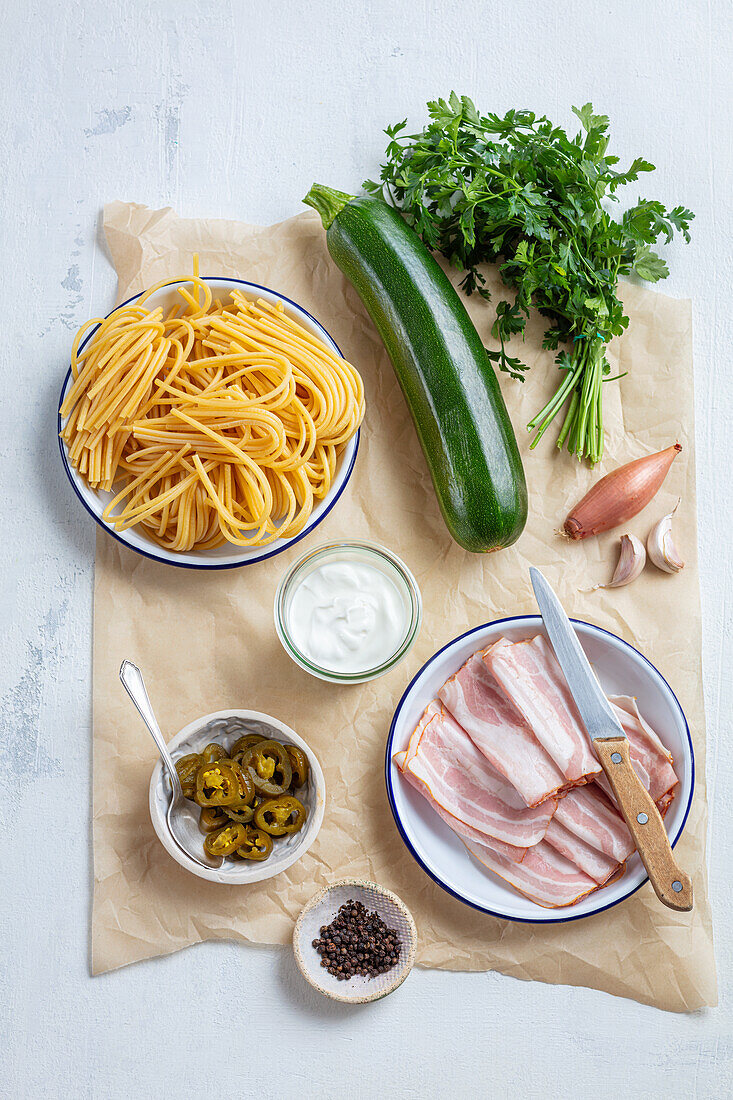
(631, 561)
(660, 545)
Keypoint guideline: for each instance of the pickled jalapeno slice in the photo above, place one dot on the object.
(188, 765)
(269, 765)
(243, 814)
(280, 816)
(212, 817)
(241, 745)
(244, 779)
(257, 845)
(213, 752)
(189, 789)
(299, 764)
(217, 785)
(225, 841)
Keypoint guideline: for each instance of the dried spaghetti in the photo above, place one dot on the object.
(221, 421)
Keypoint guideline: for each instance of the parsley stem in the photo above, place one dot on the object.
(582, 427)
(569, 419)
(586, 398)
(544, 418)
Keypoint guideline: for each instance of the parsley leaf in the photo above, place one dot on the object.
(648, 265)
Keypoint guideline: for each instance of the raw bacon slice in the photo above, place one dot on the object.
(430, 711)
(665, 802)
(603, 783)
(600, 867)
(543, 876)
(628, 704)
(652, 761)
(587, 813)
(461, 780)
(475, 700)
(532, 680)
(510, 851)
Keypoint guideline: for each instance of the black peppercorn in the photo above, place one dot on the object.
(357, 942)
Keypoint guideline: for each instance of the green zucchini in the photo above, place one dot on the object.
(441, 364)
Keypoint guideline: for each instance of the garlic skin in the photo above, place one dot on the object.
(631, 561)
(660, 545)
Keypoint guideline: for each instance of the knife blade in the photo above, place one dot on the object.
(671, 885)
(595, 709)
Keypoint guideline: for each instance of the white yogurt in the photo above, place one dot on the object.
(347, 617)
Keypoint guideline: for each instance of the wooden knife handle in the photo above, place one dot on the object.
(671, 885)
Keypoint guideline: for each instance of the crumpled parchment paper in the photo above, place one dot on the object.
(206, 641)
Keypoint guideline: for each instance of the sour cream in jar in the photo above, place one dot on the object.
(348, 611)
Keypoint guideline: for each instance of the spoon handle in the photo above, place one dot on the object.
(134, 685)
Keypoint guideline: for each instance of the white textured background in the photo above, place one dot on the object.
(232, 109)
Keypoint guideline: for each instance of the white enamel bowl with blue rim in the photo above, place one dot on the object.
(226, 726)
(622, 670)
(226, 556)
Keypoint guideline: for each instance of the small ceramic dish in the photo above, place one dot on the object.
(225, 726)
(226, 556)
(321, 910)
(622, 670)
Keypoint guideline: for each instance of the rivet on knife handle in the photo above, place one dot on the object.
(671, 885)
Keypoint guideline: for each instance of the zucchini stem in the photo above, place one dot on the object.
(327, 202)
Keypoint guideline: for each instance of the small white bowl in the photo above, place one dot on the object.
(227, 725)
(321, 910)
(622, 670)
(226, 556)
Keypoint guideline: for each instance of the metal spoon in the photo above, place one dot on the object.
(181, 817)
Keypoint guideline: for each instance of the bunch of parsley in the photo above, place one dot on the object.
(518, 190)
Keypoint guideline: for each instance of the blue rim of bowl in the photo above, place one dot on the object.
(395, 812)
(269, 552)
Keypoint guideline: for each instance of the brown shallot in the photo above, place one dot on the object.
(620, 495)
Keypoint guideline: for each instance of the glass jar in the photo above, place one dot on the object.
(392, 576)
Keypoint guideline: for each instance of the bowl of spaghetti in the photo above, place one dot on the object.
(209, 422)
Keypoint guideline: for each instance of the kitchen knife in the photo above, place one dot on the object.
(671, 885)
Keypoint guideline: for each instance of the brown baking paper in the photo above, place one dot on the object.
(206, 641)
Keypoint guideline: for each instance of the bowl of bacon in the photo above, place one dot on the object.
(494, 785)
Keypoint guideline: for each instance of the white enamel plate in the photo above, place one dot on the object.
(622, 670)
(226, 556)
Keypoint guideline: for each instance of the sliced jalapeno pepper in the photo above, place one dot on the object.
(299, 764)
(213, 752)
(217, 785)
(225, 841)
(245, 742)
(269, 765)
(212, 817)
(280, 816)
(244, 779)
(257, 844)
(187, 767)
(243, 814)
